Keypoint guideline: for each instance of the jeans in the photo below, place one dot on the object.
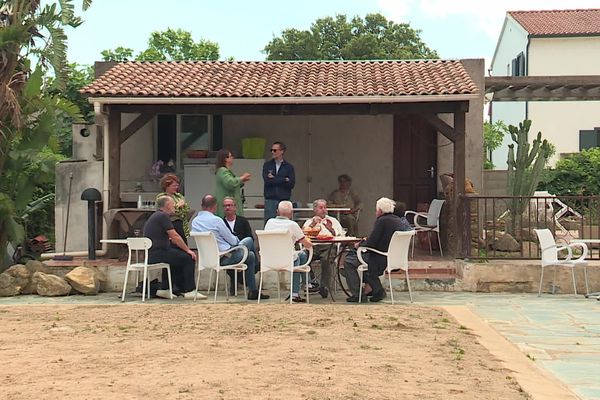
(323, 253)
(182, 267)
(297, 276)
(271, 209)
(236, 256)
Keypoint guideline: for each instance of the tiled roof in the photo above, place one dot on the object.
(225, 79)
(559, 22)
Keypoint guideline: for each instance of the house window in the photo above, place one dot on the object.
(518, 65)
(589, 139)
(177, 134)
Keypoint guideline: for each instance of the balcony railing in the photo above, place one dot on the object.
(503, 227)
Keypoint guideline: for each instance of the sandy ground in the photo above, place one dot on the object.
(233, 351)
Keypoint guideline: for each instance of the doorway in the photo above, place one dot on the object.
(415, 160)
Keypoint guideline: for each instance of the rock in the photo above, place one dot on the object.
(101, 277)
(505, 242)
(21, 275)
(8, 285)
(37, 266)
(84, 280)
(50, 285)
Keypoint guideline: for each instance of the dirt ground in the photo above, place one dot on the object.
(233, 351)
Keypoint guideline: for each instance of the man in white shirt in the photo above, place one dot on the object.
(284, 221)
(328, 226)
(207, 221)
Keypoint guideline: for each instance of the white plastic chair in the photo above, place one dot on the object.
(432, 224)
(209, 258)
(137, 244)
(277, 254)
(397, 259)
(550, 251)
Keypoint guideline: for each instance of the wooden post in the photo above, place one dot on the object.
(114, 159)
(459, 179)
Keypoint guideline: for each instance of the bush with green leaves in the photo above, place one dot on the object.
(576, 175)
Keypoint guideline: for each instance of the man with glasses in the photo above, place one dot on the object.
(279, 177)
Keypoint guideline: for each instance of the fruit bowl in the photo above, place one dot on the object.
(196, 153)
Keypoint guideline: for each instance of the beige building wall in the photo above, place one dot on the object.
(560, 122)
(137, 155)
(322, 147)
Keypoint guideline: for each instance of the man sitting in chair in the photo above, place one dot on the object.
(181, 259)
(207, 221)
(284, 221)
(240, 227)
(328, 226)
(385, 225)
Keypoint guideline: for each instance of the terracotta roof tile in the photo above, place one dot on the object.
(559, 22)
(283, 79)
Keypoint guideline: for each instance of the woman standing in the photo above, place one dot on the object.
(170, 187)
(346, 197)
(228, 185)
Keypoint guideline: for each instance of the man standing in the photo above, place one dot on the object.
(207, 221)
(385, 225)
(279, 177)
(240, 227)
(284, 221)
(181, 259)
(328, 226)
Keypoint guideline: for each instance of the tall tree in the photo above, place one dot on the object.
(169, 45)
(371, 38)
(32, 41)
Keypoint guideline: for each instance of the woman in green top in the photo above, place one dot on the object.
(170, 186)
(228, 185)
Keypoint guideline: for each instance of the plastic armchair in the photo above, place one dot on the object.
(549, 256)
(277, 254)
(209, 257)
(137, 245)
(397, 259)
(432, 222)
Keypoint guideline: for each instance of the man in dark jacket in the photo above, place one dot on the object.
(385, 225)
(279, 177)
(240, 227)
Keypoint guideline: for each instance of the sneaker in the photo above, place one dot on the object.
(164, 294)
(377, 296)
(323, 292)
(313, 288)
(191, 295)
(253, 295)
(296, 299)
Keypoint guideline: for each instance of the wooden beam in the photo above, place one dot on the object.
(114, 159)
(460, 154)
(135, 126)
(439, 107)
(441, 126)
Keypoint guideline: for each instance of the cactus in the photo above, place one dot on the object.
(524, 170)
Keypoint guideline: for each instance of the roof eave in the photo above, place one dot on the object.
(285, 100)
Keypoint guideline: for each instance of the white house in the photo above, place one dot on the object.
(549, 43)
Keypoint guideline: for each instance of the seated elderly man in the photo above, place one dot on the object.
(386, 224)
(328, 226)
(284, 221)
(207, 221)
(180, 258)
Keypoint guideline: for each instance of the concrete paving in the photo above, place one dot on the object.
(559, 333)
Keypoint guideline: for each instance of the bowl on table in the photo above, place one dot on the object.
(196, 153)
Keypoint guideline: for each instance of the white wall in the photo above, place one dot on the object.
(560, 122)
(137, 155)
(512, 41)
(322, 147)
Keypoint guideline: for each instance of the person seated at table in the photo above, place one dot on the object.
(240, 227)
(207, 221)
(386, 223)
(343, 196)
(327, 226)
(169, 247)
(180, 219)
(399, 210)
(284, 221)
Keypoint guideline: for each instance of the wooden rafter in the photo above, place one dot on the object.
(135, 126)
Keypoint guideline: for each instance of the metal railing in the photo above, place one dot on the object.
(502, 227)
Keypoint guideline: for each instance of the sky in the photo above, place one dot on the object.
(454, 28)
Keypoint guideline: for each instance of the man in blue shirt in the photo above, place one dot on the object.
(207, 221)
(280, 179)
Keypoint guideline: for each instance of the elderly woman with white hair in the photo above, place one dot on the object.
(386, 224)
